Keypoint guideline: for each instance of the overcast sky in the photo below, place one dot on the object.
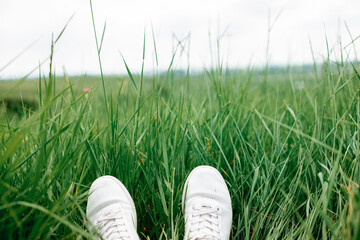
(242, 25)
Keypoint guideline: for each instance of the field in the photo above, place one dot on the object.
(286, 140)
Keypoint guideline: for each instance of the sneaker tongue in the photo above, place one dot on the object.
(204, 222)
(114, 230)
(205, 238)
(113, 225)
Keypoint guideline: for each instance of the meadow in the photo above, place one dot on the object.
(286, 141)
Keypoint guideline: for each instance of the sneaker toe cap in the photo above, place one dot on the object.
(207, 182)
(106, 191)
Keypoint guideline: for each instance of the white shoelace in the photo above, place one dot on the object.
(204, 222)
(111, 226)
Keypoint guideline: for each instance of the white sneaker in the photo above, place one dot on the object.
(208, 211)
(111, 210)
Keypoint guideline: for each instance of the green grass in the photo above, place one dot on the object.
(289, 152)
(288, 148)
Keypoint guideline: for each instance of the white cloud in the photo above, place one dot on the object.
(22, 22)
